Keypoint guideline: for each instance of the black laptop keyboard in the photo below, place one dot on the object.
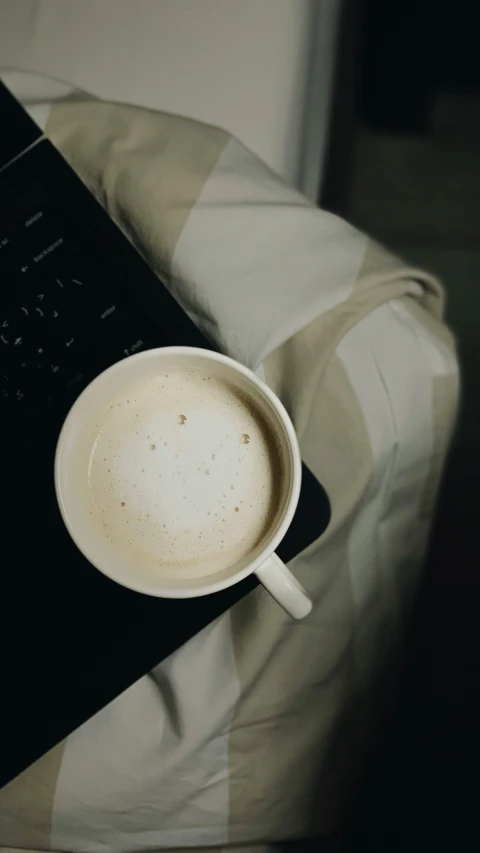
(62, 316)
(74, 296)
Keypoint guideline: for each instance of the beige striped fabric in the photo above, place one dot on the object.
(251, 734)
(26, 805)
(101, 141)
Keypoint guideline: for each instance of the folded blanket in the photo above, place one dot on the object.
(269, 718)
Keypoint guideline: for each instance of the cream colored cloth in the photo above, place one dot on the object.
(251, 732)
(263, 69)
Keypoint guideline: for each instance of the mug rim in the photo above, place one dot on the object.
(200, 589)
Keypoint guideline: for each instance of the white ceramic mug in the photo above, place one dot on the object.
(73, 458)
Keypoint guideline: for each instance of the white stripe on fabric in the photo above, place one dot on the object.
(259, 260)
(392, 380)
(441, 358)
(151, 769)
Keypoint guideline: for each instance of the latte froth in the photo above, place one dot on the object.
(185, 472)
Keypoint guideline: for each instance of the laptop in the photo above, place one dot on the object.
(75, 297)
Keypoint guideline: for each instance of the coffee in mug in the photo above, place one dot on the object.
(178, 472)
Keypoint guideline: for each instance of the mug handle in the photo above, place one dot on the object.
(284, 588)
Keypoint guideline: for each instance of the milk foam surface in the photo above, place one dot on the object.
(185, 473)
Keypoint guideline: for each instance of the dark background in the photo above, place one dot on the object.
(404, 165)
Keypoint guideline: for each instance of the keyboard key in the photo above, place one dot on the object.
(104, 317)
(133, 344)
(37, 262)
(74, 279)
